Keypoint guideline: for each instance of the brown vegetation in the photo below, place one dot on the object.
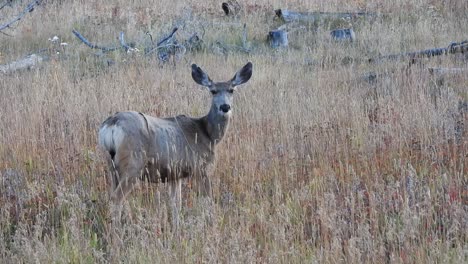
(318, 165)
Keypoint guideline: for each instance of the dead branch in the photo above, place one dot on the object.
(123, 43)
(313, 17)
(168, 37)
(167, 47)
(27, 10)
(167, 42)
(159, 45)
(454, 47)
(27, 62)
(6, 3)
(91, 45)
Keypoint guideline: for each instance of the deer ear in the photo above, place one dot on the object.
(243, 75)
(200, 77)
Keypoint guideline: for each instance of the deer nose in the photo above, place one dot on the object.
(225, 108)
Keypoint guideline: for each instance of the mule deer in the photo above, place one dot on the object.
(169, 149)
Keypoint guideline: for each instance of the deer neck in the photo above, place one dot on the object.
(216, 125)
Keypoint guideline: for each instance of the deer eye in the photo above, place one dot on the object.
(213, 92)
(230, 90)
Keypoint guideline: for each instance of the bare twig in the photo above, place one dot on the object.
(6, 34)
(27, 10)
(91, 45)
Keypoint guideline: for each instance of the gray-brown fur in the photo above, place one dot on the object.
(169, 149)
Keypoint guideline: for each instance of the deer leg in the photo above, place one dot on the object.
(114, 175)
(112, 168)
(130, 167)
(205, 186)
(206, 199)
(129, 170)
(176, 202)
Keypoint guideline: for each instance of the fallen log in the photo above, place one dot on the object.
(447, 71)
(313, 17)
(454, 47)
(25, 63)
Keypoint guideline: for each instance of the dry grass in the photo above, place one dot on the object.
(318, 166)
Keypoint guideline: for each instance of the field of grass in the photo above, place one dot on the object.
(318, 166)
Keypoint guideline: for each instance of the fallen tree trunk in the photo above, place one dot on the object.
(25, 63)
(453, 48)
(313, 17)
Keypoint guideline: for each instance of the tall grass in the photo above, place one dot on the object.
(318, 165)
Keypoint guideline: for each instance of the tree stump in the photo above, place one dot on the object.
(278, 38)
(343, 34)
(231, 8)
